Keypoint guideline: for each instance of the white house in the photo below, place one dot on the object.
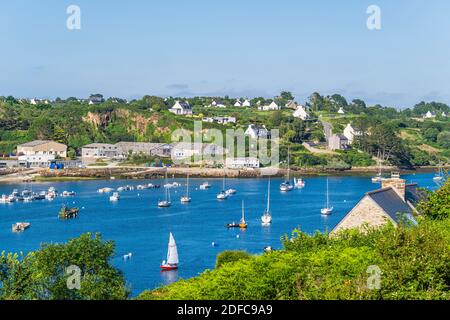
(301, 113)
(181, 108)
(240, 163)
(270, 107)
(238, 103)
(246, 103)
(430, 115)
(350, 133)
(217, 104)
(341, 110)
(255, 131)
(444, 115)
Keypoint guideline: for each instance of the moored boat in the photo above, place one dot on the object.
(186, 198)
(172, 256)
(327, 210)
(115, 197)
(266, 218)
(68, 213)
(20, 226)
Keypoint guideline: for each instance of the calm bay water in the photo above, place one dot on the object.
(138, 226)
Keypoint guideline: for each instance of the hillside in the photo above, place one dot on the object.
(404, 136)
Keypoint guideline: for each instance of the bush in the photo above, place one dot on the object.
(231, 256)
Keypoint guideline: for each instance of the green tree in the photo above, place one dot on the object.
(42, 274)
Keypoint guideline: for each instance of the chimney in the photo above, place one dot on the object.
(398, 184)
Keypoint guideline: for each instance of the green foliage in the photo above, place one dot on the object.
(42, 274)
(357, 159)
(231, 256)
(437, 205)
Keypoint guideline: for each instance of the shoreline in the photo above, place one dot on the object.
(134, 173)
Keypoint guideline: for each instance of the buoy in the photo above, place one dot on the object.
(237, 236)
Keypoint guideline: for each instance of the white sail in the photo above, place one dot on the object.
(172, 252)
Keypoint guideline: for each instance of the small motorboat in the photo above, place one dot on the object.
(20, 226)
(222, 196)
(286, 186)
(172, 256)
(68, 193)
(164, 204)
(7, 199)
(230, 191)
(205, 186)
(105, 190)
(232, 225)
(115, 197)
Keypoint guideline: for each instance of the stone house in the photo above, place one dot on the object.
(393, 203)
(338, 142)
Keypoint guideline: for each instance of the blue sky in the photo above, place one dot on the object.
(234, 47)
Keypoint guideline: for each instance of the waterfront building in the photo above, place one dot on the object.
(341, 111)
(238, 103)
(94, 151)
(181, 108)
(146, 148)
(42, 147)
(184, 150)
(393, 203)
(37, 160)
(241, 163)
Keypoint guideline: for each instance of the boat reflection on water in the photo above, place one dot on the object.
(169, 277)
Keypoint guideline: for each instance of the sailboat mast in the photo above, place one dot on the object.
(187, 186)
(268, 197)
(243, 210)
(289, 164)
(328, 195)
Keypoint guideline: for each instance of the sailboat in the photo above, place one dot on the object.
(378, 178)
(299, 183)
(186, 198)
(172, 256)
(266, 218)
(327, 210)
(165, 203)
(223, 195)
(438, 176)
(286, 185)
(242, 223)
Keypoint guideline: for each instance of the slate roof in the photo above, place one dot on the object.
(391, 203)
(414, 195)
(34, 143)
